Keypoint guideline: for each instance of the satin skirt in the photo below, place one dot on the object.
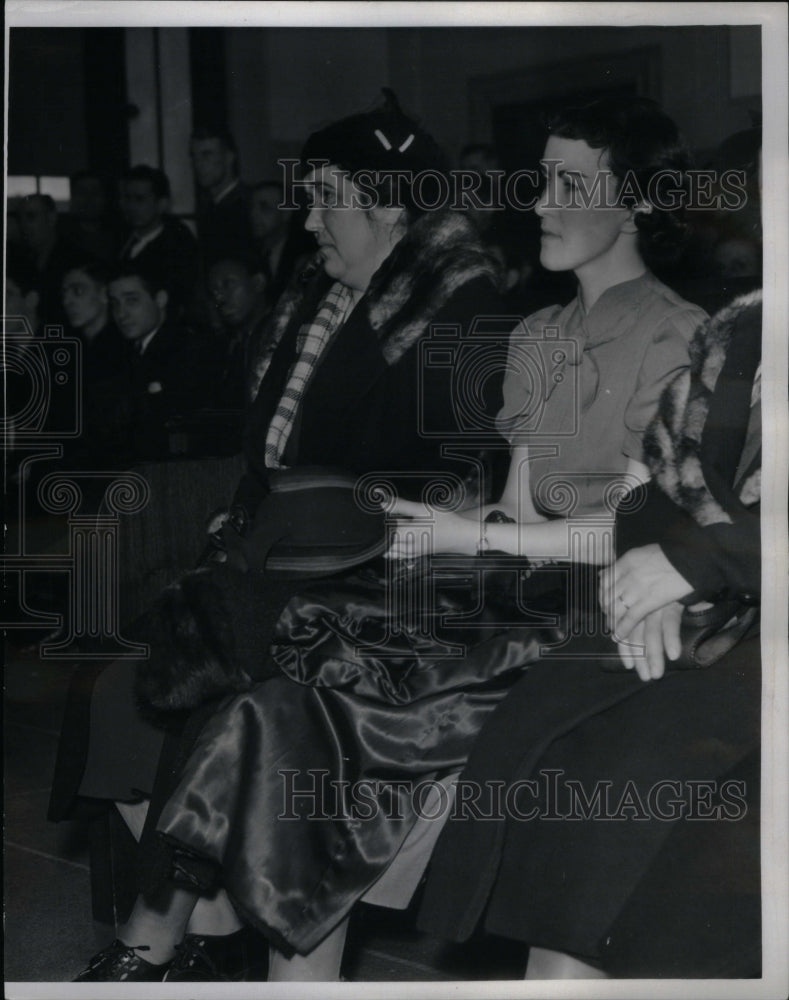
(302, 790)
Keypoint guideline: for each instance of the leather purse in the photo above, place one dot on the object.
(709, 633)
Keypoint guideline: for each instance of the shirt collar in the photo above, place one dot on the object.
(148, 338)
(138, 243)
(603, 322)
(226, 191)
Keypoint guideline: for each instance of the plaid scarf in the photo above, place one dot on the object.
(312, 342)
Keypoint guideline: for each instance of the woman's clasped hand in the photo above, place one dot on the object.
(639, 596)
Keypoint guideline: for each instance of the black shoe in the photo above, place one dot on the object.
(120, 963)
(217, 958)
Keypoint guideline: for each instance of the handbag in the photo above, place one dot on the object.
(709, 633)
(312, 524)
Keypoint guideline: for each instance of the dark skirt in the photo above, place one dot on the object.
(636, 844)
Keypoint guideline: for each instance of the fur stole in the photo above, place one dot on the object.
(209, 635)
(672, 443)
(439, 254)
(192, 646)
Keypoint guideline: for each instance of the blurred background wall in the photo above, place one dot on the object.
(110, 97)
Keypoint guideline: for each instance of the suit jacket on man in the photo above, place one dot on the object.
(174, 257)
(223, 227)
(173, 376)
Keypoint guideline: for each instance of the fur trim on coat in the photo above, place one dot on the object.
(208, 633)
(192, 646)
(673, 441)
(439, 254)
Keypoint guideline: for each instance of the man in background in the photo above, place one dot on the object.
(92, 226)
(157, 241)
(280, 238)
(172, 369)
(223, 225)
(45, 250)
(238, 291)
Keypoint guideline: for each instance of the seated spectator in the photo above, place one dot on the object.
(223, 223)
(279, 235)
(46, 250)
(737, 253)
(657, 874)
(354, 324)
(22, 295)
(724, 256)
(106, 361)
(512, 236)
(238, 292)
(480, 157)
(92, 226)
(171, 369)
(157, 240)
(87, 307)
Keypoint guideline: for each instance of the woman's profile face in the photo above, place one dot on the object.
(579, 230)
(353, 241)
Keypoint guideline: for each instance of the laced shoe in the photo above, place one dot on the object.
(120, 963)
(212, 958)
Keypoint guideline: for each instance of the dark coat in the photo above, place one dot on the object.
(376, 367)
(106, 371)
(173, 256)
(174, 376)
(638, 894)
(359, 412)
(223, 227)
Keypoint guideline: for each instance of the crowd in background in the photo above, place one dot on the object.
(170, 312)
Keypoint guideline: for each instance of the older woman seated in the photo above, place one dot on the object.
(339, 383)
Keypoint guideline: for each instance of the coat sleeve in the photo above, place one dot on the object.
(719, 560)
(719, 550)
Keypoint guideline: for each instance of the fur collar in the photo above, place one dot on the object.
(673, 441)
(438, 255)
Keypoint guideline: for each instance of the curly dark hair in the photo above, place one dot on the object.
(648, 156)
